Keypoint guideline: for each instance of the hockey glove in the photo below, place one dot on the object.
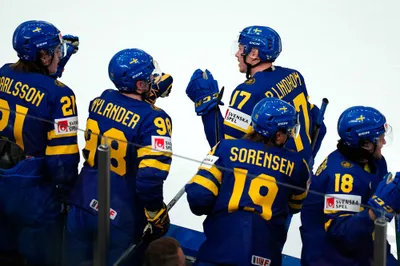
(158, 223)
(386, 200)
(72, 43)
(203, 91)
(161, 89)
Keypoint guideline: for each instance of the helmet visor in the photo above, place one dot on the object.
(295, 130)
(388, 135)
(156, 75)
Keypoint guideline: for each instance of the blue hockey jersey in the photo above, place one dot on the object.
(39, 114)
(336, 228)
(139, 137)
(279, 82)
(247, 191)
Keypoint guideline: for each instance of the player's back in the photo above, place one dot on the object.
(346, 186)
(248, 218)
(28, 107)
(132, 129)
(279, 82)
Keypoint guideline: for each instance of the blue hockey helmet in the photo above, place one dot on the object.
(131, 65)
(271, 115)
(362, 123)
(266, 40)
(33, 36)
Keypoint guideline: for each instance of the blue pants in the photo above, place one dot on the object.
(31, 224)
(81, 230)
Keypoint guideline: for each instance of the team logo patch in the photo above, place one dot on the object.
(346, 164)
(260, 261)
(238, 119)
(250, 81)
(209, 161)
(66, 125)
(342, 202)
(160, 143)
(94, 204)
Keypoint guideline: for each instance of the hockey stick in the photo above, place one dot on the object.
(320, 120)
(134, 246)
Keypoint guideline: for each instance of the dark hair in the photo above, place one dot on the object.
(162, 252)
(358, 154)
(31, 66)
(257, 137)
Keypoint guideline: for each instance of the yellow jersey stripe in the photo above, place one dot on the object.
(154, 164)
(228, 137)
(300, 196)
(206, 183)
(295, 206)
(327, 224)
(52, 135)
(149, 151)
(62, 149)
(214, 171)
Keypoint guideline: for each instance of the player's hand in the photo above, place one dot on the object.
(386, 199)
(203, 91)
(72, 43)
(158, 223)
(160, 89)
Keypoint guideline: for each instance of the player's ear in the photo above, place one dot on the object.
(254, 54)
(367, 145)
(141, 86)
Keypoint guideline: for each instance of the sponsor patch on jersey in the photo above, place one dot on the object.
(160, 143)
(260, 261)
(237, 119)
(66, 125)
(94, 204)
(250, 81)
(342, 202)
(346, 164)
(209, 161)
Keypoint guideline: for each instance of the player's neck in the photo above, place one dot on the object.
(261, 67)
(133, 96)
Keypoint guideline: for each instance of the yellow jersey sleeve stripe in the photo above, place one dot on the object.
(154, 164)
(62, 149)
(300, 196)
(228, 137)
(206, 183)
(52, 135)
(148, 150)
(214, 171)
(330, 211)
(327, 224)
(295, 206)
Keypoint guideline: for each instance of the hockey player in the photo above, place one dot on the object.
(258, 48)
(247, 187)
(139, 136)
(38, 148)
(337, 229)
